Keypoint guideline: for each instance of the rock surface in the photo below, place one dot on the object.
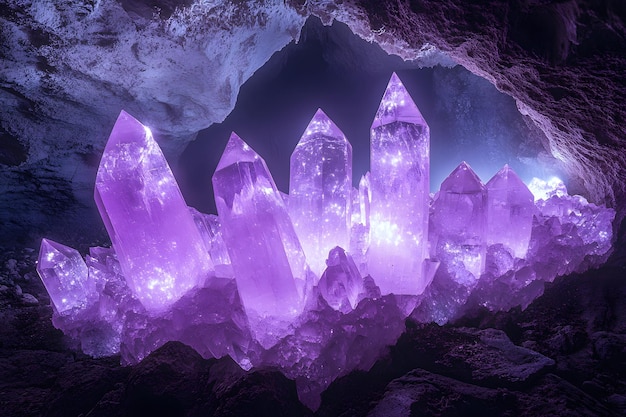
(563, 355)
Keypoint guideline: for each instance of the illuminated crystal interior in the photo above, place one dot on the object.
(316, 282)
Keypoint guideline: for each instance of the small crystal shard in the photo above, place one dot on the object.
(320, 190)
(266, 256)
(211, 231)
(341, 282)
(400, 172)
(458, 221)
(65, 276)
(510, 208)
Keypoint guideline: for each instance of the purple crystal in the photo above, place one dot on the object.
(211, 231)
(510, 208)
(341, 282)
(400, 165)
(458, 221)
(266, 256)
(320, 188)
(345, 322)
(160, 250)
(65, 276)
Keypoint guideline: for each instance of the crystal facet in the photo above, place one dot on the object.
(458, 221)
(400, 180)
(211, 231)
(154, 236)
(341, 282)
(320, 188)
(65, 276)
(510, 208)
(267, 259)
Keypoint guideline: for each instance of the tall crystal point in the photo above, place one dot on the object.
(399, 177)
(510, 207)
(266, 256)
(159, 248)
(458, 221)
(320, 190)
(65, 276)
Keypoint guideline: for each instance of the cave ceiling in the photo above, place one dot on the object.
(68, 67)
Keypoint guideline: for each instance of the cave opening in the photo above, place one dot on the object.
(331, 68)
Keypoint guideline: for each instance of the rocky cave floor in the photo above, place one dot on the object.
(564, 355)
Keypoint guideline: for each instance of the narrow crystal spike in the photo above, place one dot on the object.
(510, 207)
(320, 190)
(211, 231)
(397, 106)
(458, 220)
(341, 282)
(266, 256)
(360, 231)
(365, 199)
(159, 248)
(65, 276)
(399, 180)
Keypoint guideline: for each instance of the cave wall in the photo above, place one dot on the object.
(563, 61)
(68, 67)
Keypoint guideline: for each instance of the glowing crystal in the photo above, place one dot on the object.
(543, 190)
(154, 236)
(360, 231)
(211, 231)
(341, 283)
(458, 221)
(320, 188)
(400, 172)
(65, 276)
(510, 208)
(266, 256)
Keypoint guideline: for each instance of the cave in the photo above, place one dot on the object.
(538, 85)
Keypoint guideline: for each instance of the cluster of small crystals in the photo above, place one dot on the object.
(300, 281)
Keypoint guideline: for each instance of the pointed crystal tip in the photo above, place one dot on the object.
(505, 179)
(321, 124)
(397, 106)
(463, 180)
(127, 129)
(236, 151)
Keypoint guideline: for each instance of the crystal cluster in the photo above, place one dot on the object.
(319, 281)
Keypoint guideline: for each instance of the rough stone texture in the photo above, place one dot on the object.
(68, 67)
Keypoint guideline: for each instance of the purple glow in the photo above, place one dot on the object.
(458, 221)
(400, 166)
(341, 283)
(267, 259)
(154, 236)
(510, 209)
(491, 244)
(320, 188)
(65, 276)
